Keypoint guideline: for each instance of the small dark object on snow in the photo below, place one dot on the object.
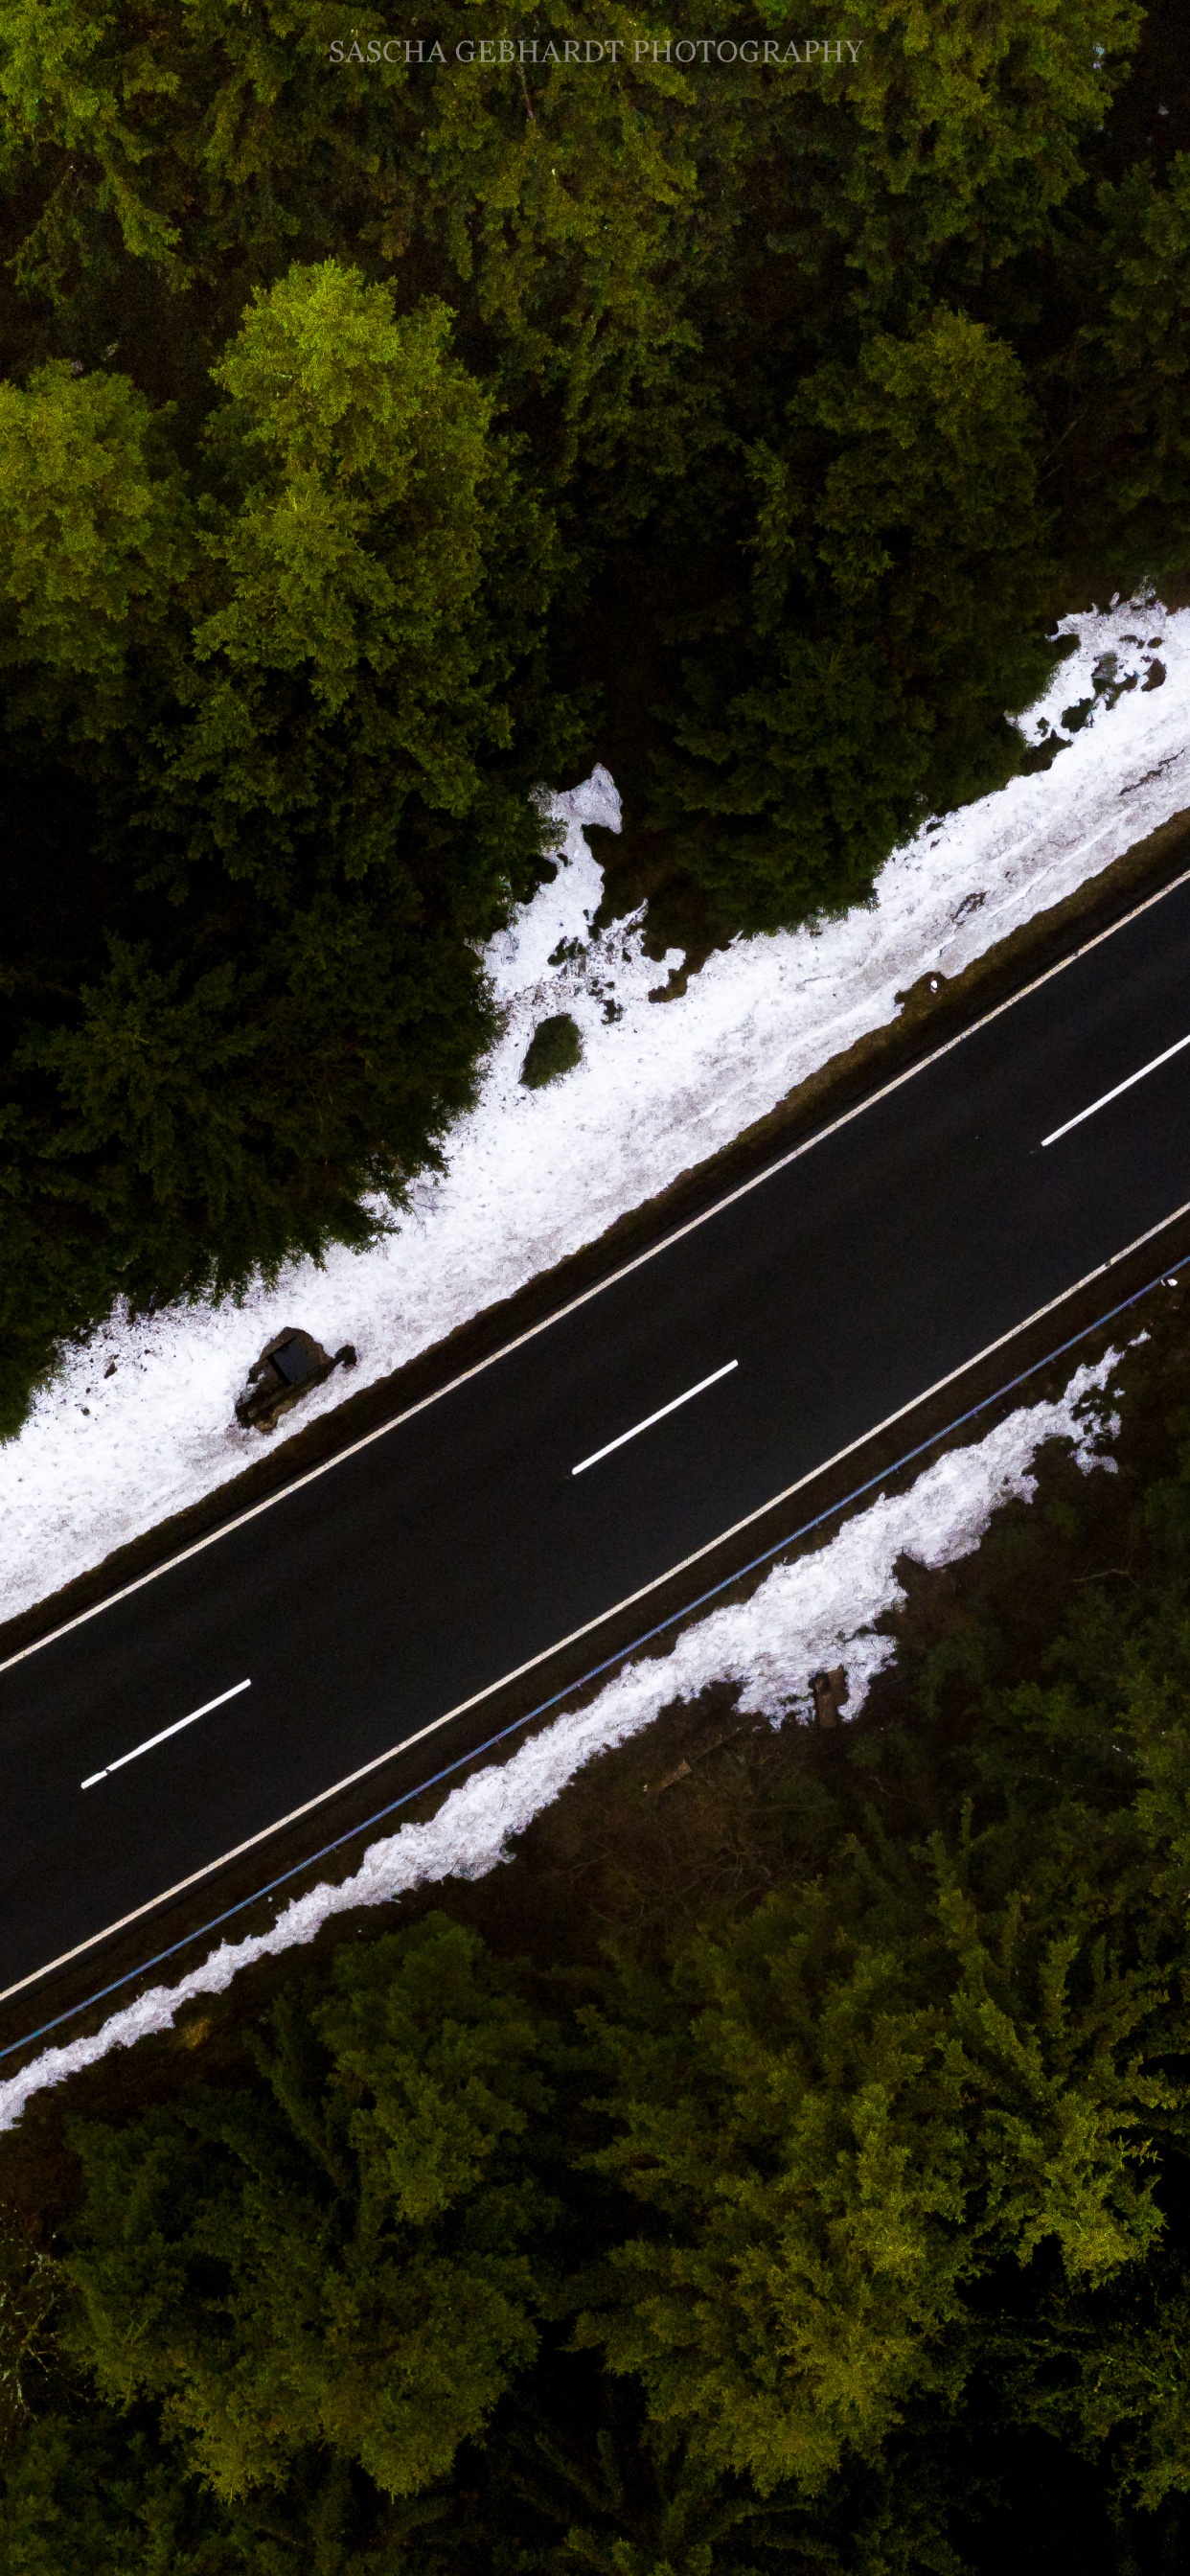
(828, 1691)
(288, 1367)
(554, 1049)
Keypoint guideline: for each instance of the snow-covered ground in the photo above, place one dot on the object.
(532, 1175)
(819, 1609)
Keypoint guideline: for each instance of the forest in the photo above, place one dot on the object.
(787, 2175)
(382, 439)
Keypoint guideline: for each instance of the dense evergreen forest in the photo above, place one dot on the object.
(789, 2172)
(379, 439)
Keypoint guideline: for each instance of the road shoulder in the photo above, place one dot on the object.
(933, 1012)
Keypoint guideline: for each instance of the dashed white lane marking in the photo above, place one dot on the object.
(1105, 1096)
(166, 1732)
(658, 1416)
(463, 1707)
(573, 1305)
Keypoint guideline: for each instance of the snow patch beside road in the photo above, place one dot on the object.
(819, 1609)
(534, 1175)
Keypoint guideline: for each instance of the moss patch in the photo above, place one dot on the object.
(554, 1049)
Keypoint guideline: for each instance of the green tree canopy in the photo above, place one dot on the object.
(849, 2124)
(897, 556)
(301, 696)
(93, 544)
(349, 2257)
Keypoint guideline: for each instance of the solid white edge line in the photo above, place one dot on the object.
(651, 1418)
(1105, 1096)
(477, 1698)
(573, 1304)
(166, 1732)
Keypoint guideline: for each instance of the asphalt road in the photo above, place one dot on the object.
(362, 1605)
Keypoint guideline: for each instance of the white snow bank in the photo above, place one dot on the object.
(561, 914)
(820, 1609)
(535, 1174)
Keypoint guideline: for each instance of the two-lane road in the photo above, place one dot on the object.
(355, 1609)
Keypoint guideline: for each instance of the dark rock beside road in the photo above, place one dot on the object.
(288, 1367)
